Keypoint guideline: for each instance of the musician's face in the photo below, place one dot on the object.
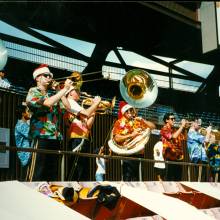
(44, 79)
(197, 125)
(75, 94)
(130, 113)
(171, 120)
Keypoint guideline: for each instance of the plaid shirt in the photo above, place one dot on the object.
(172, 147)
(44, 121)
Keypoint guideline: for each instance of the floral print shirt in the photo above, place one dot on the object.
(44, 122)
(124, 126)
(172, 147)
(213, 153)
(21, 139)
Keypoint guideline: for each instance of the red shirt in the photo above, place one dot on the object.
(172, 147)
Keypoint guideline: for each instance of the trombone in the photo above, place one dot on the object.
(104, 107)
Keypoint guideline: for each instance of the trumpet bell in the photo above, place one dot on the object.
(138, 88)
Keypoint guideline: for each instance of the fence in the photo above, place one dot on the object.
(9, 101)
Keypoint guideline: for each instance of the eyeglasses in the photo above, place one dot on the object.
(47, 75)
(172, 119)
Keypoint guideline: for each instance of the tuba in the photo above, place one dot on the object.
(139, 89)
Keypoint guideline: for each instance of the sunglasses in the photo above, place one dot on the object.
(172, 119)
(47, 75)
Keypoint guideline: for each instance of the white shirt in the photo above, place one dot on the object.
(74, 106)
(158, 155)
(101, 165)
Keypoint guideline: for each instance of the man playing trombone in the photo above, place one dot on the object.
(79, 122)
(45, 105)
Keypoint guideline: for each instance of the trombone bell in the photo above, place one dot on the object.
(138, 88)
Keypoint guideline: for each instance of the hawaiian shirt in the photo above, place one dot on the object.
(123, 126)
(195, 146)
(213, 153)
(77, 125)
(172, 147)
(21, 139)
(44, 122)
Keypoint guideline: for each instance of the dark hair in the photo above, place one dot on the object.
(167, 116)
(21, 109)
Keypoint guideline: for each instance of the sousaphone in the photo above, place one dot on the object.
(140, 90)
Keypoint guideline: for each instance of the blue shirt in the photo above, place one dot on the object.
(21, 139)
(195, 146)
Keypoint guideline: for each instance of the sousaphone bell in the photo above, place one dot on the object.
(138, 88)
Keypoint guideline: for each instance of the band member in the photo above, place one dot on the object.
(80, 122)
(126, 128)
(196, 143)
(45, 105)
(213, 153)
(159, 168)
(172, 146)
(22, 140)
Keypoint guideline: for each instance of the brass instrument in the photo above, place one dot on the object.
(139, 89)
(214, 132)
(104, 107)
(132, 146)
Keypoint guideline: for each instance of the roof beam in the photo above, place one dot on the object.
(170, 65)
(41, 37)
(156, 72)
(175, 11)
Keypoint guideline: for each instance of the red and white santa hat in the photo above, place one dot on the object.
(123, 107)
(43, 68)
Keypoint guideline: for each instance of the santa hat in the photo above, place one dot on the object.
(123, 107)
(43, 68)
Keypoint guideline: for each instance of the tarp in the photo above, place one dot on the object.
(19, 202)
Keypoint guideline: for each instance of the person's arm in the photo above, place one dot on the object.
(122, 137)
(66, 103)
(178, 132)
(149, 124)
(49, 102)
(89, 111)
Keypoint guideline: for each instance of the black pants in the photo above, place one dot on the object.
(44, 167)
(173, 172)
(78, 166)
(131, 169)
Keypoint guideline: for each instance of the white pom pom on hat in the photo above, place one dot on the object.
(43, 68)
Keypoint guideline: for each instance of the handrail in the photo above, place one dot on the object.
(62, 152)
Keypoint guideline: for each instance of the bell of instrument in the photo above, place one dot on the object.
(138, 88)
(104, 107)
(76, 77)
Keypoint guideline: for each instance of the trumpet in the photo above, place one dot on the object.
(104, 107)
(188, 124)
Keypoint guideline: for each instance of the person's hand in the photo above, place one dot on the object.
(68, 83)
(135, 133)
(183, 123)
(209, 129)
(97, 100)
